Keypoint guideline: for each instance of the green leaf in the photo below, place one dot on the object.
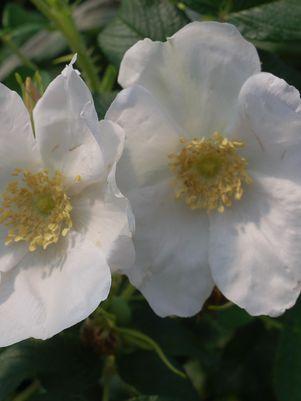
(64, 368)
(136, 20)
(171, 334)
(277, 66)
(22, 33)
(20, 23)
(151, 398)
(216, 328)
(238, 5)
(219, 8)
(15, 16)
(272, 25)
(275, 23)
(288, 358)
(232, 318)
(15, 366)
(245, 365)
(145, 371)
(209, 7)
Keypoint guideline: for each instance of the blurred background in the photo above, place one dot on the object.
(130, 353)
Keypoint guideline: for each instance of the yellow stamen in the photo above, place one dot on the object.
(209, 172)
(36, 209)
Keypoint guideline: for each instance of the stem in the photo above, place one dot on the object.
(128, 292)
(225, 306)
(106, 391)
(108, 79)
(153, 345)
(271, 323)
(28, 392)
(108, 372)
(110, 318)
(61, 16)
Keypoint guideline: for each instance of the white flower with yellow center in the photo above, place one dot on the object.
(63, 222)
(212, 169)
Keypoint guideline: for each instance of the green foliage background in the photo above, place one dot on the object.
(225, 354)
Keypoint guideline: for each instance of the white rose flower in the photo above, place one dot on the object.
(63, 221)
(212, 169)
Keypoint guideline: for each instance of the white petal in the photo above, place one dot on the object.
(196, 75)
(171, 244)
(17, 144)
(111, 141)
(10, 255)
(52, 290)
(17, 149)
(150, 137)
(65, 124)
(102, 214)
(271, 126)
(255, 247)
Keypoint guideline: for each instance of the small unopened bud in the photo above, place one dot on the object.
(30, 94)
(101, 338)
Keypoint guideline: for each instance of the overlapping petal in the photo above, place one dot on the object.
(17, 143)
(101, 214)
(150, 137)
(110, 138)
(17, 149)
(65, 124)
